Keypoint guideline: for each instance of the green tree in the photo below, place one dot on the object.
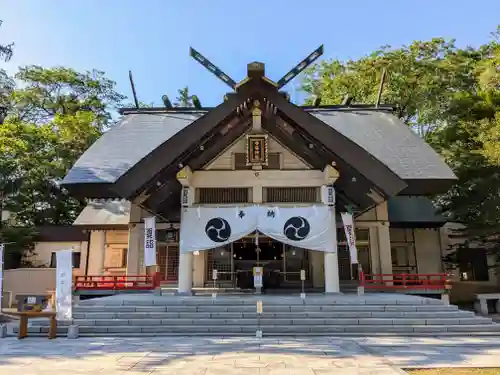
(19, 246)
(184, 99)
(54, 116)
(447, 95)
(6, 50)
(46, 93)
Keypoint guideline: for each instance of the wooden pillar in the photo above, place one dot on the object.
(384, 239)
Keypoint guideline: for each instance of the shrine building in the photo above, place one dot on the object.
(260, 181)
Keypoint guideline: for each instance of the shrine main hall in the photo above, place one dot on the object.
(260, 181)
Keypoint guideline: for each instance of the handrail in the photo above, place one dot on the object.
(122, 282)
(404, 281)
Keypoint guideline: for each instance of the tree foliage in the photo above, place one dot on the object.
(6, 50)
(19, 246)
(184, 99)
(451, 97)
(63, 91)
(54, 115)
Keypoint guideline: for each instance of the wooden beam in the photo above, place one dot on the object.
(345, 149)
(313, 158)
(350, 181)
(220, 143)
(168, 154)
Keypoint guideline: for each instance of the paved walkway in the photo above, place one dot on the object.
(314, 356)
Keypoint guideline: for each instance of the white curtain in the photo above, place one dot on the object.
(204, 228)
(311, 228)
(64, 278)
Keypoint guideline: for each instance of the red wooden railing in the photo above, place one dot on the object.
(128, 282)
(404, 281)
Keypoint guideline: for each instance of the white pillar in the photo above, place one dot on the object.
(199, 269)
(185, 273)
(331, 273)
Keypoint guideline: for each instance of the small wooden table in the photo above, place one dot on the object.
(23, 322)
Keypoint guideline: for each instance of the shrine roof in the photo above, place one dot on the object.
(102, 212)
(414, 212)
(377, 131)
(121, 147)
(389, 140)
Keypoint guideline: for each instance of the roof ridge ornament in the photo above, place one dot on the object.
(295, 71)
(212, 68)
(256, 69)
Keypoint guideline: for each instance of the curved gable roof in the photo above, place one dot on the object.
(123, 146)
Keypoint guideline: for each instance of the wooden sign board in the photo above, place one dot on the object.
(257, 150)
(33, 303)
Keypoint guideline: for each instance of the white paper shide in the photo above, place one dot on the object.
(64, 279)
(350, 236)
(150, 241)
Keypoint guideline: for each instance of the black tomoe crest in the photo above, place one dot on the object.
(218, 229)
(296, 228)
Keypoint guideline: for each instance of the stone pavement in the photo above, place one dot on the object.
(234, 356)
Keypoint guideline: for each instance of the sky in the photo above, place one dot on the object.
(152, 37)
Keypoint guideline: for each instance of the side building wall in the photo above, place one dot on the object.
(466, 284)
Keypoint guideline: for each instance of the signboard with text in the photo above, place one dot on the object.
(150, 241)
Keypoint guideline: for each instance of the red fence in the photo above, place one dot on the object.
(129, 282)
(416, 281)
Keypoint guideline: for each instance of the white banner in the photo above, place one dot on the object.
(350, 236)
(204, 228)
(2, 248)
(64, 280)
(310, 228)
(150, 241)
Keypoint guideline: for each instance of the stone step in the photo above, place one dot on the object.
(275, 322)
(266, 308)
(281, 315)
(267, 301)
(278, 335)
(284, 330)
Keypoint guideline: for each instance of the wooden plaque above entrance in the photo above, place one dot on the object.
(257, 150)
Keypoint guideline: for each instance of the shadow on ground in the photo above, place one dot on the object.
(145, 355)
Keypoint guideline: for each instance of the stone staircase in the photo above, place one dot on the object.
(317, 315)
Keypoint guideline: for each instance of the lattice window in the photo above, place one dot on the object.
(296, 259)
(223, 195)
(221, 260)
(344, 257)
(172, 263)
(291, 194)
(273, 161)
